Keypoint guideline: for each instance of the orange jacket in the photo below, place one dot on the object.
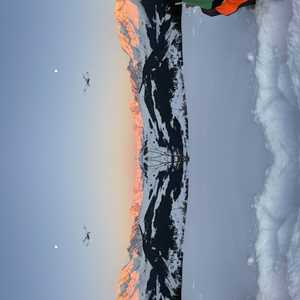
(229, 7)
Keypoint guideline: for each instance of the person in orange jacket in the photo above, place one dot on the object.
(219, 7)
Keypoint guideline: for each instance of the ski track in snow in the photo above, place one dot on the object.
(277, 110)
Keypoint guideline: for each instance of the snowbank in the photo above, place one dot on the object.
(277, 71)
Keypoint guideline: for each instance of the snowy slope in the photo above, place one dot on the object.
(228, 156)
(277, 110)
(233, 160)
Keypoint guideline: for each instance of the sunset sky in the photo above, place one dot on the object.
(67, 157)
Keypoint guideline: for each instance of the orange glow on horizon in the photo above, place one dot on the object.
(127, 14)
(129, 276)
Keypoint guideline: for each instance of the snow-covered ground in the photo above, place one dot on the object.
(242, 77)
(228, 158)
(278, 70)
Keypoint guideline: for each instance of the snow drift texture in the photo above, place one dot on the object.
(278, 76)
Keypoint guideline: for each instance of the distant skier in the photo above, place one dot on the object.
(214, 8)
(87, 81)
(87, 237)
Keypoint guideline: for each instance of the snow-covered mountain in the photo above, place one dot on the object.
(150, 33)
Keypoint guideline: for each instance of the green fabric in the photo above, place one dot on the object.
(207, 4)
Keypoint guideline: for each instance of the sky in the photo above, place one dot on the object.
(66, 156)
